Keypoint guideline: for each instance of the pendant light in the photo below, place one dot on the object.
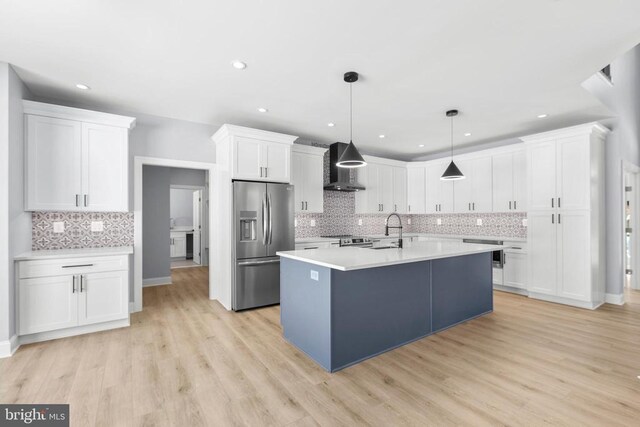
(351, 158)
(452, 173)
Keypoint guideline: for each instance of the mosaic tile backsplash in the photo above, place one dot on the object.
(339, 217)
(118, 230)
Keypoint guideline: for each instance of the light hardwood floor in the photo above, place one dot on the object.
(185, 361)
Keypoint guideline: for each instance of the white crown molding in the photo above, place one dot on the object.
(308, 149)
(584, 129)
(383, 161)
(78, 114)
(228, 130)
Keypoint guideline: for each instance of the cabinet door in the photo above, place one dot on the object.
(542, 249)
(180, 246)
(105, 168)
(463, 188)
(519, 181)
(103, 297)
(53, 164)
(434, 186)
(47, 303)
(400, 190)
(416, 193)
(515, 270)
(314, 184)
(573, 173)
(298, 178)
(574, 255)
(277, 162)
(482, 185)
(385, 184)
(248, 158)
(366, 201)
(503, 183)
(541, 159)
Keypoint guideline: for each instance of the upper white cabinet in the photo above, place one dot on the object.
(307, 177)
(416, 190)
(439, 192)
(386, 187)
(76, 160)
(253, 154)
(566, 215)
(474, 193)
(509, 181)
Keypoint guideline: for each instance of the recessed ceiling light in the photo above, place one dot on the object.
(421, 145)
(467, 134)
(262, 110)
(330, 124)
(380, 136)
(239, 65)
(542, 116)
(82, 86)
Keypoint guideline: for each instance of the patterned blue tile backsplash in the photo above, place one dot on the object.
(339, 217)
(118, 230)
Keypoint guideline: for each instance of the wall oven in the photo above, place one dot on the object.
(498, 256)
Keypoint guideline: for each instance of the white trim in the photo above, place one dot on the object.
(383, 161)
(628, 167)
(566, 301)
(139, 162)
(617, 299)
(156, 281)
(583, 129)
(70, 113)
(8, 347)
(187, 187)
(264, 135)
(308, 149)
(511, 290)
(131, 307)
(69, 332)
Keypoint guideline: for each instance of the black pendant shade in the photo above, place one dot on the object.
(452, 173)
(351, 158)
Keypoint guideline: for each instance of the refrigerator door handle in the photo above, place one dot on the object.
(270, 226)
(264, 219)
(254, 263)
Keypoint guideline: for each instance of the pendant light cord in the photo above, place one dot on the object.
(451, 138)
(350, 112)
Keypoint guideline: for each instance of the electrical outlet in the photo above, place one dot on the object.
(524, 222)
(313, 222)
(58, 226)
(359, 221)
(439, 221)
(97, 226)
(409, 221)
(295, 222)
(314, 275)
(479, 221)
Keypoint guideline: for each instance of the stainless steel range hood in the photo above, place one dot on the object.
(340, 178)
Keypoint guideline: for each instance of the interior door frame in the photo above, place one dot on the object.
(633, 170)
(139, 162)
(206, 229)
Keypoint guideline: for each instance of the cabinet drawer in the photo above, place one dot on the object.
(71, 266)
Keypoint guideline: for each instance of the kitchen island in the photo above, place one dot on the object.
(344, 305)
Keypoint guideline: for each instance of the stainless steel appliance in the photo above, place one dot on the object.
(340, 179)
(498, 256)
(263, 225)
(349, 240)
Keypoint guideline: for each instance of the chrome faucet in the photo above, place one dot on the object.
(399, 227)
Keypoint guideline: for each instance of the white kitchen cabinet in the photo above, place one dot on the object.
(399, 190)
(416, 190)
(76, 160)
(386, 187)
(515, 269)
(474, 193)
(509, 181)
(566, 215)
(307, 177)
(178, 247)
(254, 154)
(439, 195)
(63, 297)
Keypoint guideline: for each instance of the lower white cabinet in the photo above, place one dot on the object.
(515, 269)
(178, 247)
(73, 292)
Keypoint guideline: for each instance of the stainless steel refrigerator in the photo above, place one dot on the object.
(263, 225)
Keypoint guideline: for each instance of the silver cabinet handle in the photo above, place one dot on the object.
(301, 205)
(73, 286)
(409, 208)
(77, 265)
(469, 206)
(473, 205)
(509, 204)
(306, 206)
(558, 201)
(81, 283)
(552, 203)
(559, 219)
(515, 204)
(266, 172)
(255, 263)
(86, 200)
(260, 171)
(553, 221)
(77, 200)
(395, 208)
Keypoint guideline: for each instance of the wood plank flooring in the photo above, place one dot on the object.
(185, 361)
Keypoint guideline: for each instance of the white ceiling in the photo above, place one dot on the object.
(500, 62)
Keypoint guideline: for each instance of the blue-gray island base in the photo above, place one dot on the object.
(345, 317)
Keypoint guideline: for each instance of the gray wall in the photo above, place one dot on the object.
(156, 208)
(623, 98)
(15, 224)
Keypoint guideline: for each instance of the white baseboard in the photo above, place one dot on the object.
(155, 281)
(8, 347)
(509, 289)
(590, 305)
(69, 332)
(617, 299)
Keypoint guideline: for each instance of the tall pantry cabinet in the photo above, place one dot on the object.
(566, 215)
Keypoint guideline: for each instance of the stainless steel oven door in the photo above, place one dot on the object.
(498, 259)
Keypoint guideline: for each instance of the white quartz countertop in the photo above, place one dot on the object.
(354, 258)
(74, 253)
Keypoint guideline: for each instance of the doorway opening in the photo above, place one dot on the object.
(631, 243)
(188, 229)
